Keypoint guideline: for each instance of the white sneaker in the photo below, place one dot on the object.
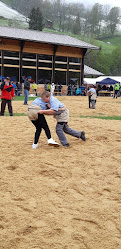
(34, 146)
(52, 142)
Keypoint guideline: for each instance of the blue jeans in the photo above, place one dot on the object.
(26, 94)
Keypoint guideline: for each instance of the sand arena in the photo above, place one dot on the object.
(62, 198)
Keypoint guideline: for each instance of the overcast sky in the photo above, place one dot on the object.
(112, 3)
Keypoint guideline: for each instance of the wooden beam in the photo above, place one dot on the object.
(73, 70)
(10, 45)
(60, 69)
(11, 58)
(45, 68)
(9, 65)
(38, 48)
(61, 62)
(28, 59)
(45, 61)
(30, 67)
(69, 52)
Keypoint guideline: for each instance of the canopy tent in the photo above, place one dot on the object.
(107, 81)
(90, 81)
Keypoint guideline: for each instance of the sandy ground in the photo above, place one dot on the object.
(62, 198)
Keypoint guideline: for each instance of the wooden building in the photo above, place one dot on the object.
(41, 55)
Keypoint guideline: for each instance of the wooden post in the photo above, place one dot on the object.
(2, 62)
(53, 63)
(21, 56)
(82, 69)
(67, 71)
(37, 68)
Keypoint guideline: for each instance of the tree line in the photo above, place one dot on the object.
(100, 20)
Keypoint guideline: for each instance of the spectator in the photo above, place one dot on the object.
(104, 87)
(48, 87)
(69, 89)
(6, 95)
(111, 88)
(26, 89)
(45, 87)
(14, 84)
(52, 89)
(19, 88)
(92, 95)
(60, 89)
(116, 90)
(34, 87)
(56, 89)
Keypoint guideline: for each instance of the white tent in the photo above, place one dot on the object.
(90, 81)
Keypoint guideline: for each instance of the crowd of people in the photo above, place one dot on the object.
(47, 104)
(116, 89)
(9, 89)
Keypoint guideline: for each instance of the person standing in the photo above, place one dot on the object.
(60, 89)
(48, 87)
(7, 92)
(69, 89)
(116, 90)
(26, 89)
(52, 89)
(92, 96)
(19, 88)
(34, 87)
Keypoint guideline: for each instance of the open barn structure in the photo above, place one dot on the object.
(42, 55)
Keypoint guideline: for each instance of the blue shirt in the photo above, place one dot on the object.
(14, 85)
(55, 104)
(92, 90)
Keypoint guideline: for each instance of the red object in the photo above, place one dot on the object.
(7, 92)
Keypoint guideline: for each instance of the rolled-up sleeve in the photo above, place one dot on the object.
(55, 104)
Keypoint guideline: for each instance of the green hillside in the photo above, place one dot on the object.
(8, 2)
(114, 42)
(106, 48)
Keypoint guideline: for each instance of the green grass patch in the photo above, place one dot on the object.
(21, 98)
(15, 114)
(103, 117)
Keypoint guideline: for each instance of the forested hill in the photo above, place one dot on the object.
(98, 26)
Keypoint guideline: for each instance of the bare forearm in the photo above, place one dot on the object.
(47, 112)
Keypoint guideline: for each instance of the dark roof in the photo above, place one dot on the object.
(43, 37)
(91, 71)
